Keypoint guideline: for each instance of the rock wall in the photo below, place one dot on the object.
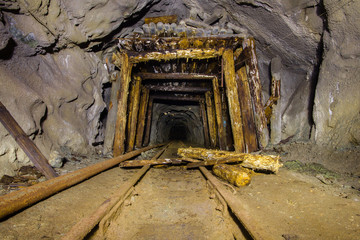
(337, 100)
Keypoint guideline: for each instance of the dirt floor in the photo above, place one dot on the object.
(304, 200)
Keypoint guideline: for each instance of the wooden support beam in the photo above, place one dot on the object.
(14, 201)
(252, 71)
(246, 111)
(211, 119)
(111, 116)
(219, 117)
(28, 146)
(233, 100)
(205, 123)
(175, 76)
(178, 97)
(120, 127)
(148, 121)
(189, 89)
(229, 143)
(141, 119)
(190, 53)
(133, 113)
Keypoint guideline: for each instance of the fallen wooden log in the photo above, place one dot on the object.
(234, 174)
(212, 157)
(140, 163)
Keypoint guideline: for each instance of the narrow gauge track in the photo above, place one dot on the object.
(171, 203)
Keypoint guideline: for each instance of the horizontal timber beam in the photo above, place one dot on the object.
(177, 88)
(175, 76)
(178, 98)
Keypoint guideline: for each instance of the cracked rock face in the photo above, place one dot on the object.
(52, 65)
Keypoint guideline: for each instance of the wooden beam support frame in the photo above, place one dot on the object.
(148, 121)
(28, 146)
(120, 127)
(175, 76)
(233, 100)
(177, 89)
(252, 71)
(247, 113)
(211, 119)
(111, 117)
(141, 118)
(133, 113)
(205, 123)
(219, 116)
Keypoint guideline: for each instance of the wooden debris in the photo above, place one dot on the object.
(28, 146)
(140, 163)
(234, 174)
(212, 157)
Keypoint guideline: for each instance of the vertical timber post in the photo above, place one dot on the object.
(148, 121)
(111, 116)
(211, 119)
(218, 110)
(233, 100)
(120, 127)
(246, 111)
(205, 123)
(255, 88)
(133, 113)
(141, 119)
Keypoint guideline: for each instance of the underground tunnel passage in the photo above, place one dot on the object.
(257, 104)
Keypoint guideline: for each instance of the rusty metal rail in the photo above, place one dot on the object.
(15, 201)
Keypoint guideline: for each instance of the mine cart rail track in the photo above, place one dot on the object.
(108, 208)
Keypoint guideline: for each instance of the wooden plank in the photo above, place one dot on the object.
(233, 100)
(164, 19)
(205, 123)
(252, 71)
(192, 53)
(218, 111)
(175, 76)
(120, 127)
(247, 113)
(111, 116)
(28, 146)
(211, 119)
(229, 141)
(141, 119)
(148, 121)
(133, 114)
(187, 89)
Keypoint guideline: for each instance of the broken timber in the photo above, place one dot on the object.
(234, 174)
(211, 157)
(30, 149)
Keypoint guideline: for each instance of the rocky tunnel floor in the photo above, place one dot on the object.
(174, 203)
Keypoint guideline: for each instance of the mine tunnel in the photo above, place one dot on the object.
(191, 119)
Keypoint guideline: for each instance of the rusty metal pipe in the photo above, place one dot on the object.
(23, 198)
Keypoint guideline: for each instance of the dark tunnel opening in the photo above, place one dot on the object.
(178, 132)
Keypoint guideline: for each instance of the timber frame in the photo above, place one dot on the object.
(239, 79)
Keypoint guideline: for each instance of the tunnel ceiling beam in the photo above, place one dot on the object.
(188, 98)
(164, 88)
(175, 76)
